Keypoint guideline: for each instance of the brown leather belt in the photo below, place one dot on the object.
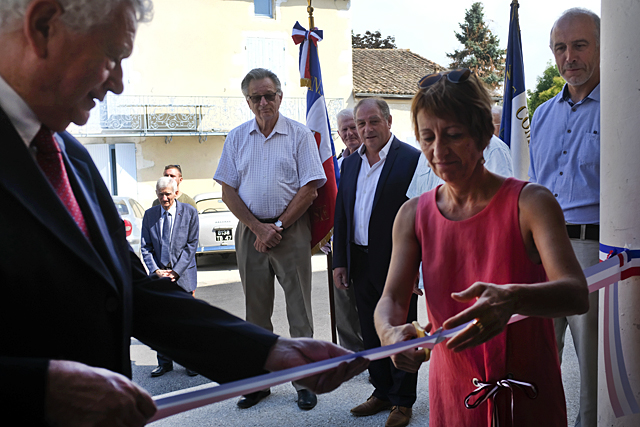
(584, 231)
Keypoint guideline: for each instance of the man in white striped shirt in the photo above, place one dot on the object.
(270, 171)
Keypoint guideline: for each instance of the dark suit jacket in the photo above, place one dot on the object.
(390, 195)
(65, 298)
(184, 242)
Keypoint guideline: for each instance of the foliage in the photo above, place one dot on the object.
(481, 52)
(548, 86)
(374, 40)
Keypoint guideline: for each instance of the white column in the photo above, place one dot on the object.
(620, 183)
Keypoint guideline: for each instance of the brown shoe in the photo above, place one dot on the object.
(372, 406)
(399, 416)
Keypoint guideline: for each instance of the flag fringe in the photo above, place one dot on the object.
(326, 239)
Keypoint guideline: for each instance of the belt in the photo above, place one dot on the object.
(363, 249)
(584, 231)
(267, 220)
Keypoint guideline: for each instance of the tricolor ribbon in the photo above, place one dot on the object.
(619, 267)
(301, 35)
(621, 396)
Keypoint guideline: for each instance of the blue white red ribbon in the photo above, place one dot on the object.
(191, 399)
(301, 35)
(618, 267)
(623, 402)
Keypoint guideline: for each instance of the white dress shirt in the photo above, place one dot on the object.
(21, 116)
(23, 119)
(365, 191)
(172, 212)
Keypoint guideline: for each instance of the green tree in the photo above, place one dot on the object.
(481, 52)
(370, 40)
(548, 85)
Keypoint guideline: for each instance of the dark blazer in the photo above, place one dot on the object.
(184, 242)
(391, 191)
(63, 297)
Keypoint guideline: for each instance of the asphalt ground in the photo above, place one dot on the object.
(219, 284)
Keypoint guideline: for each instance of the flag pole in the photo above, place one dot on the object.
(515, 123)
(310, 10)
(332, 309)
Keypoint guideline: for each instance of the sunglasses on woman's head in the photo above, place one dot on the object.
(456, 76)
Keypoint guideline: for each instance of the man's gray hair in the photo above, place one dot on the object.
(79, 15)
(345, 114)
(259, 74)
(496, 109)
(381, 103)
(575, 12)
(166, 182)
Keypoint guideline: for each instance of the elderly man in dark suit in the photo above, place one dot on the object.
(169, 243)
(73, 291)
(373, 185)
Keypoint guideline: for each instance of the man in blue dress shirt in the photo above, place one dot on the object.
(565, 158)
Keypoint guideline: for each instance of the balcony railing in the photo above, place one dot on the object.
(182, 115)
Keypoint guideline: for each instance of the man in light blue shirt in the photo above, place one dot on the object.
(565, 158)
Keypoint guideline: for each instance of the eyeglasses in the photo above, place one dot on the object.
(173, 167)
(456, 76)
(257, 98)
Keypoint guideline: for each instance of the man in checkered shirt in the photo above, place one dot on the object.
(270, 171)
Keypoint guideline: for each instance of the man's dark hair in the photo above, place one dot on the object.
(173, 167)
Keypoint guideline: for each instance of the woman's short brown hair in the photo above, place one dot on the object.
(467, 102)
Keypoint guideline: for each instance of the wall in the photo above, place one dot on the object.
(197, 48)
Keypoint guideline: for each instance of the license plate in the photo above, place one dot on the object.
(223, 235)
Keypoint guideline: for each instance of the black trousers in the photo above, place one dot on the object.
(391, 383)
(163, 360)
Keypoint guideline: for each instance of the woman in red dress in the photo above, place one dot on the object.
(490, 247)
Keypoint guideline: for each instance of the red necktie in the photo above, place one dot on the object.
(49, 158)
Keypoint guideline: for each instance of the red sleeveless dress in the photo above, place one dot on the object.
(487, 247)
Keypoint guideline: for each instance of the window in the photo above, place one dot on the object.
(263, 8)
(122, 207)
(117, 166)
(267, 53)
(138, 210)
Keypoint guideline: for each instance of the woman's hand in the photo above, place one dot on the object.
(493, 308)
(409, 360)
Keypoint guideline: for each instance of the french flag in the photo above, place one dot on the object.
(323, 207)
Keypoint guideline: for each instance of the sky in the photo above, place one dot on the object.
(427, 27)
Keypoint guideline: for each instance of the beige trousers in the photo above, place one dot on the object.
(290, 262)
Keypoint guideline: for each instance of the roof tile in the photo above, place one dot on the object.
(389, 71)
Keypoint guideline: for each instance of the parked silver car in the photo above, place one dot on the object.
(131, 213)
(217, 225)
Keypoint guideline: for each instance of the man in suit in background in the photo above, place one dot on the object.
(73, 291)
(372, 188)
(169, 243)
(347, 321)
(175, 172)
